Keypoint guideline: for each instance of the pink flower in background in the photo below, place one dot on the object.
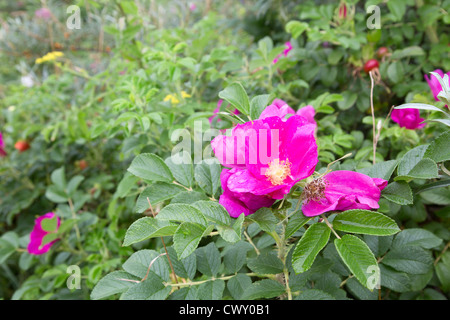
(272, 154)
(43, 13)
(434, 84)
(38, 234)
(2, 146)
(237, 203)
(285, 52)
(279, 108)
(342, 190)
(343, 11)
(192, 6)
(408, 118)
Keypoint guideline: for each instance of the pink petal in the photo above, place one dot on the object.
(38, 234)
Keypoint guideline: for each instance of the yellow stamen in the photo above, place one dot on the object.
(278, 171)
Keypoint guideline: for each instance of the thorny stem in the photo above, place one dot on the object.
(373, 117)
(440, 255)
(165, 248)
(330, 226)
(195, 283)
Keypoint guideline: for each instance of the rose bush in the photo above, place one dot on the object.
(207, 150)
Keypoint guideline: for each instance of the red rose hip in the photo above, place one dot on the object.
(371, 65)
(22, 145)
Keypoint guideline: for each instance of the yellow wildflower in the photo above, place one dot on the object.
(49, 57)
(173, 98)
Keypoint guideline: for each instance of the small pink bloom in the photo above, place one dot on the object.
(2, 146)
(274, 155)
(285, 52)
(37, 235)
(434, 84)
(408, 118)
(43, 13)
(192, 6)
(342, 190)
(237, 203)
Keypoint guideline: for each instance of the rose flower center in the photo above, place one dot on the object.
(278, 171)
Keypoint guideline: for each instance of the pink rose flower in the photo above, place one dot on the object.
(408, 118)
(2, 146)
(285, 52)
(38, 234)
(237, 203)
(434, 84)
(341, 190)
(293, 155)
(43, 13)
(279, 108)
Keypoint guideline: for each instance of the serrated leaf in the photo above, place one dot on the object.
(182, 213)
(213, 212)
(398, 192)
(238, 284)
(211, 290)
(359, 259)
(266, 263)
(424, 169)
(314, 294)
(150, 289)
(311, 243)
(365, 222)
(207, 175)
(265, 218)
(111, 284)
(416, 237)
(394, 280)
(208, 259)
(186, 267)
(439, 148)
(409, 259)
(156, 193)
(146, 228)
(232, 233)
(182, 168)
(258, 104)
(235, 94)
(236, 256)
(296, 221)
(187, 237)
(149, 166)
(139, 262)
(263, 289)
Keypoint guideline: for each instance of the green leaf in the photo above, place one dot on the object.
(186, 267)
(207, 175)
(416, 237)
(296, 28)
(236, 256)
(265, 218)
(411, 159)
(149, 166)
(156, 193)
(58, 178)
(296, 221)
(420, 106)
(409, 259)
(139, 262)
(266, 263)
(433, 185)
(208, 259)
(182, 213)
(187, 237)
(382, 170)
(126, 184)
(439, 148)
(263, 289)
(407, 52)
(424, 169)
(235, 94)
(365, 222)
(181, 167)
(398, 192)
(150, 289)
(443, 271)
(313, 240)
(146, 227)
(394, 280)
(55, 194)
(314, 294)
(258, 104)
(211, 290)
(359, 259)
(213, 212)
(395, 72)
(113, 283)
(232, 234)
(238, 284)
